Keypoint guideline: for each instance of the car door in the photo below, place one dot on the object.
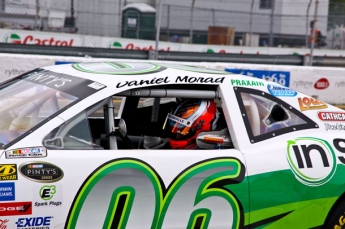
(96, 185)
(290, 161)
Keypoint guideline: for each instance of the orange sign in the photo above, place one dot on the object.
(307, 103)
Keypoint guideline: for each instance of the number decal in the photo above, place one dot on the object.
(129, 193)
(117, 68)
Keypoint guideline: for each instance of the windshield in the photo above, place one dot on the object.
(29, 100)
(24, 104)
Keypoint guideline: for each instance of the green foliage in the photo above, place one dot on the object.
(336, 13)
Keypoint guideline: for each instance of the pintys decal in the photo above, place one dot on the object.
(331, 116)
(8, 172)
(277, 90)
(312, 160)
(42, 172)
(307, 103)
(193, 198)
(26, 152)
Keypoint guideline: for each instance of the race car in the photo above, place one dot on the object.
(157, 145)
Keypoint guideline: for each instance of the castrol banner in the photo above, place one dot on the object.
(79, 40)
(40, 38)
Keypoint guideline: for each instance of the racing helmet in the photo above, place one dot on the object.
(190, 118)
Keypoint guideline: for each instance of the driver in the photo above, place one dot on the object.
(183, 125)
(190, 118)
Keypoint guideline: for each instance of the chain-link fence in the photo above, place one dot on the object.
(133, 24)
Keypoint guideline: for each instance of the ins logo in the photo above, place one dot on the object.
(312, 160)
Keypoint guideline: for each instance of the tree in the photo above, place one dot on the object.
(336, 13)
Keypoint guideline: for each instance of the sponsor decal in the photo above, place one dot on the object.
(26, 152)
(15, 208)
(34, 223)
(131, 46)
(7, 191)
(336, 126)
(279, 77)
(30, 39)
(340, 84)
(47, 79)
(312, 160)
(302, 84)
(3, 223)
(48, 196)
(276, 90)
(96, 85)
(10, 73)
(331, 116)
(8, 172)
(179, 79)
(321, 84)
(43, 172)
(246, 83)
(307, 103)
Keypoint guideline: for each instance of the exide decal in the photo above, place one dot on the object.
(34, 222)
(15, 208)
(321, 84)
(331, 116)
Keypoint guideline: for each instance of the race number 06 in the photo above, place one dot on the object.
(129, 193)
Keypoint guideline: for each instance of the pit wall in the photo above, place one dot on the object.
(324, 83)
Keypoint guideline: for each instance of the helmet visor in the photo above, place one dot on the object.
(179, 128)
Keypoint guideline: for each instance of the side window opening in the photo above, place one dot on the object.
(84, 131)
(265, 116)
(148, 123)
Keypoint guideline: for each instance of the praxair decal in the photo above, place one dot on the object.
(312, 160)
(130, 193)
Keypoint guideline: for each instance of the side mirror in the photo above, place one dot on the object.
(214, 139)
(276, 115)
(121, 128)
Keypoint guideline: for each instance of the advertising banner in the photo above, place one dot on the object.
(78, 40)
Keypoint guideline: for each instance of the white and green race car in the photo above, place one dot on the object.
(76, 151)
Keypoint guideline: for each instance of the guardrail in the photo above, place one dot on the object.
(297, 60)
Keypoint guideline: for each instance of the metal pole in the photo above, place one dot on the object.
(168, 22)
(307, 26)
(158, 29)
(120, 19)
(191, 24)
(271, 24)
(342, 37)
(251, 23)
(313, 34)
(213, 18)
(37, 15)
